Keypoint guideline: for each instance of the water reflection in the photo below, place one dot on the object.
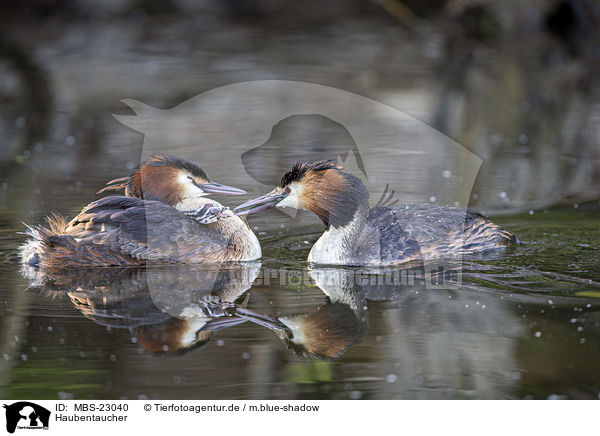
(169, 309)
(172, 310)
(272, 332)
(330, 330)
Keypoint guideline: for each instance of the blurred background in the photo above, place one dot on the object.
(516, 83)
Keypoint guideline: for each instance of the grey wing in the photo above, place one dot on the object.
(387, 238)
(428, 223)
(145, 230)
(443, 230)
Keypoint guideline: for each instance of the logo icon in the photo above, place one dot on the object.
(26, 415)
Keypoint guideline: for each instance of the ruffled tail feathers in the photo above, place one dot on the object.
(31, 250)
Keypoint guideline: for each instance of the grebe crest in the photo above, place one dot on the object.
(172, 180)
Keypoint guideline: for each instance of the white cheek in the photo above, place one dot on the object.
(295, 327)
(289, 201)
(293, 198)
(190, 334)
(188, 188)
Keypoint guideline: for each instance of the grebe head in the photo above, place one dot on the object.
(323, 187)
(178, 336)
(323, 334)
(172, 180)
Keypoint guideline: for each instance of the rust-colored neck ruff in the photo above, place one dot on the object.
(334, 196)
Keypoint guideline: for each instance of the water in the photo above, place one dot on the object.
(523, 324)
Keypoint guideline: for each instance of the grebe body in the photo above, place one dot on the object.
(165, 217)
(357, 235)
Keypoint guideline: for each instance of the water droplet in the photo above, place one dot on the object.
(523, 139)
(355, 395)
(446, 174)
(245, 355)
(538, 334)
(391, 378)
(20, 122)
(70, 141)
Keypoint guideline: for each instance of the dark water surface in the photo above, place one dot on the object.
(523, 324)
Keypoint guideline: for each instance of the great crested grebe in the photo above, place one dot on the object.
(357, 235)
(164, 217)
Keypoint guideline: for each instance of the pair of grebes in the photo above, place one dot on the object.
(165, 216)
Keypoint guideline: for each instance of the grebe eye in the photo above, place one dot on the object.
(288, 189)
(191, 179)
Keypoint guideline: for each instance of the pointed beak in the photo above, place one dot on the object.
(259, 204)
(221, 323)
(217, 188)
(263, 320)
